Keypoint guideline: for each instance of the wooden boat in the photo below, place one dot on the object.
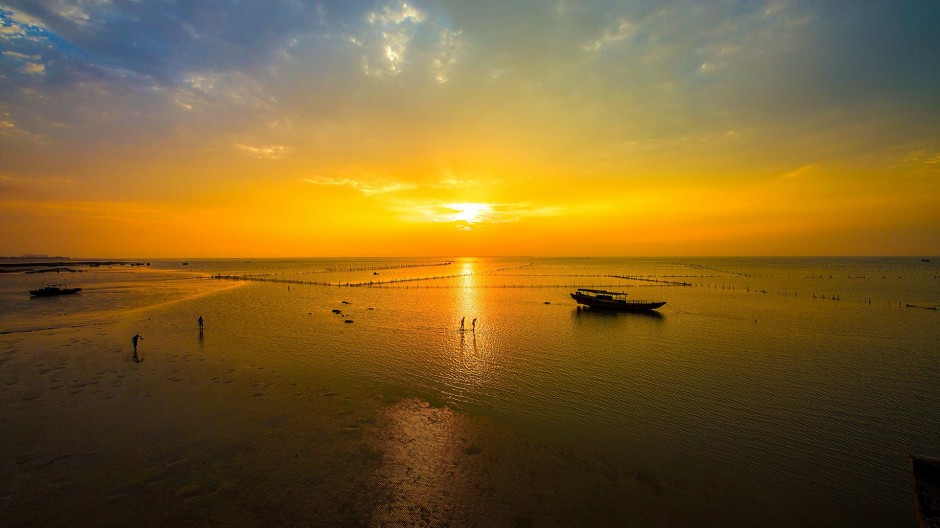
(50, 291)
(927, 490)
(608, 300)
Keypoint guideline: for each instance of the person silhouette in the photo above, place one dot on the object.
(473, 325)
(200, 324)
(461, 323)
(134, 340)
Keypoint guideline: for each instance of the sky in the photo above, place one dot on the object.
(289, 128)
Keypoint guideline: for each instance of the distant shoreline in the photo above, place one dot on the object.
(57, 263)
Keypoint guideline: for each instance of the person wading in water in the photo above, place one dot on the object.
(134, 340)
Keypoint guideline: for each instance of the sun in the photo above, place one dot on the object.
(470, 213)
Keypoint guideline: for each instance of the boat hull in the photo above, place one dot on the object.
(619, 305)
(927, 490)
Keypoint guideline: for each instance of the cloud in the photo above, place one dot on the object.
(26, 37)
(453, 182)
(28, 63)
(450, 49)
(568, 81)
(11, 31)
(228, 90)
(802, 173)
(621, 30)
(17, 22)
(9, 128)
(365, 187)
(920, 156)
(269, 152)
(35, 179)
(390, 31)
(399, 36)
(26, 186)
(162, 40)
(76, 11)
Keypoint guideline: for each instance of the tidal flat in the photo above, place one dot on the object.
(93, 438)
(767, 392)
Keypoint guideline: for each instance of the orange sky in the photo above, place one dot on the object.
(437, 128)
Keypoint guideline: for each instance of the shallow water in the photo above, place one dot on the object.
(786, 390)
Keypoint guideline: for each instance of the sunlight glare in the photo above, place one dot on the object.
(469, 212)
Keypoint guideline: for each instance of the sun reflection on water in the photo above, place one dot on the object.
(471, 357)
(467, 292)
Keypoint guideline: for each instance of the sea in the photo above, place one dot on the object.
(790, 390)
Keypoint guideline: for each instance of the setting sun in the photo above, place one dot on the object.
(470, 213)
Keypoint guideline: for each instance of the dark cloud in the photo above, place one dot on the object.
(163, 39)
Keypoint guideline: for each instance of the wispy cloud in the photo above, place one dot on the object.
(28, 63)
(10, 129)
(12, 31)
(451, 181)
(391, 31)
(231, 90)
(620, 30)
(269, 152)
(367, 188)
(78, 12)
(109, 210)
(31, 187)
(918, 157)
(34, 179)
(801, 173)
(451, 47)
(15, 22)
(399, 36)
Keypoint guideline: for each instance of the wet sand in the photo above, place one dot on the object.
(186, 438)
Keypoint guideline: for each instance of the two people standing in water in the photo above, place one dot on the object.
(473, 324)
(138, 338)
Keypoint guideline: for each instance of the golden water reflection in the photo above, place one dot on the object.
(471, 357)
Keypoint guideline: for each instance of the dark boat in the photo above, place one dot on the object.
(609, 300)
(927, 490)
(50, 291)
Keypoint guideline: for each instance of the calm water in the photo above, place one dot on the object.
(795, 386)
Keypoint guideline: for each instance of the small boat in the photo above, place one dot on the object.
(927, 490)
(609, 300)
(50, 291)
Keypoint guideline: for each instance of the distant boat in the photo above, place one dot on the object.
(925, 260)
(609, 300)
(50, 291)
(927, 490)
